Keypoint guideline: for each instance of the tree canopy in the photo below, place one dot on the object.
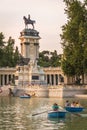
(49, 59)
(8, 55)
(74, 38)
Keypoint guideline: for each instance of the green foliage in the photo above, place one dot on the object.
(8, 54)
(74, 38)
(68, 68)
(1, 47)
(49, 59)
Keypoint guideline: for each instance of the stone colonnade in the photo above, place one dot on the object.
(7, 75)
(6, 79)
(53, 79)
(54, 76)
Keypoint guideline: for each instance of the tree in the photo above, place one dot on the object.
(49, 59)
(2, 44)
(9, 52)
(74, 39)
(44, 59)
(8, 55)
(55, 59)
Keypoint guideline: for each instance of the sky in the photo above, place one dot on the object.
(48, 14)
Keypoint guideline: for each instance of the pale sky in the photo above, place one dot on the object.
(48, 14)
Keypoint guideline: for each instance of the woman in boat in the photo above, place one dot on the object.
(73, 104)
(78, 104)
(55, 107)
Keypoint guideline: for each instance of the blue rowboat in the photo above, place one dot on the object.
(74, 109)
(25, 96)
(56, 114)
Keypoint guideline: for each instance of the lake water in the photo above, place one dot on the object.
(16, 114)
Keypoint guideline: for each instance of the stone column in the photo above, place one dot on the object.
(58, 80)
(0, 80)
(27, 44)
(54, 76)
(7, 79)
(37, 51)
(3, 80)
(50, 80)
(11, 76)
(21, 48)
(25, 50)
(46, 78)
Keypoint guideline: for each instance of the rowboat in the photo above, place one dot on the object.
(25, 96)
(56, 114)
(74, 109)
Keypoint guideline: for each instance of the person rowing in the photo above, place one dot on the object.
(55, 107)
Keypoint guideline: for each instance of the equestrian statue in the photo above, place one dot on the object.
(28, 21)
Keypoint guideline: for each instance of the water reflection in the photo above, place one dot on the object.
(16, 114)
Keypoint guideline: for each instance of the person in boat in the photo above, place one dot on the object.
(67, 104)
(26, 94)
(73, 104)
(78, 104)
(55, 107)
(11, 92)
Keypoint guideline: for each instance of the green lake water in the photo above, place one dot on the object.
(16, 114)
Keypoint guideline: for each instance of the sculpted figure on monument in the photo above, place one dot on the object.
(28, 21)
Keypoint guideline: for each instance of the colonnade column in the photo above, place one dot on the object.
(50, 80)
(59, 80)
(0, 80)
(7, 79)
(46, 78)
(54, 77)
(3, 79)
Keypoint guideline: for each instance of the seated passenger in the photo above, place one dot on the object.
(26, 94)
(73, 104)
(67, 104)
(55, 107)
(77, 104)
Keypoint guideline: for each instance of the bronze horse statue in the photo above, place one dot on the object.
(28, 21)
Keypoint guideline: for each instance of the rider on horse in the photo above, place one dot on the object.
(28, 21)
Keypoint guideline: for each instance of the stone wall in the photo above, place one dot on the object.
(4, 91)
(46, 91)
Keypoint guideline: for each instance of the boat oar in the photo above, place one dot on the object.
(62, 108)
(39, 113)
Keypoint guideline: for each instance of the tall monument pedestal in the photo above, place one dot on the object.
(28, 72)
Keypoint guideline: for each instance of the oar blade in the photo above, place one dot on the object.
(39, 113)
